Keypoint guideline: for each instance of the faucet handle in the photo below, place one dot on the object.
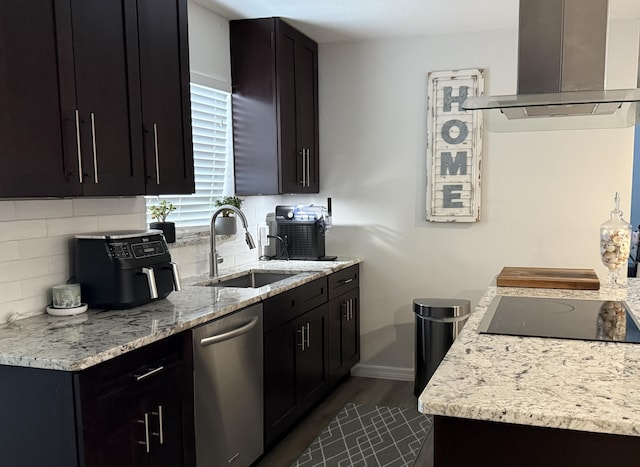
(219, 259)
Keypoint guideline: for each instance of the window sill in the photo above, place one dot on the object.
(193, 236)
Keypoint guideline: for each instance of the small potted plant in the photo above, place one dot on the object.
(226, 221)
(159, 212)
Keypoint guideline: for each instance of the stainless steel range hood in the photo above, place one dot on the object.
(561, 72)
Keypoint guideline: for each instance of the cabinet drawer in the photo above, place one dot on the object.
(119, 382)
(291, 304)
(343, 281)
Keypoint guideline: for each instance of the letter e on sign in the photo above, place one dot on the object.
(454, 146)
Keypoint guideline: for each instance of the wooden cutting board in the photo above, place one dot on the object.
(548, 278)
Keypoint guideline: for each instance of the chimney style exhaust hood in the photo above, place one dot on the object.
(561, 68)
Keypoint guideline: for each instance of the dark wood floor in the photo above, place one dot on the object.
(357, 390)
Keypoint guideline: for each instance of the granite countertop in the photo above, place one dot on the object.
(78, 342)
(556, 383)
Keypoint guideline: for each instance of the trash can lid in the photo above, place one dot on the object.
(441, 307)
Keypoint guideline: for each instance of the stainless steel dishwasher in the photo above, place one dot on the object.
(227, 355)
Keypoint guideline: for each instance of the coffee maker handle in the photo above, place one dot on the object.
(176, 277)
(151, 280)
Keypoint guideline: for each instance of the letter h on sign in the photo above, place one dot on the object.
(453, 182)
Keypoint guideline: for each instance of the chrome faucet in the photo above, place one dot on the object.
(214, 259)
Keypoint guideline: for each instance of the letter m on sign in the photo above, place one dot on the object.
(454, 147)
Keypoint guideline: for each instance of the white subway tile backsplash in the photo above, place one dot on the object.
(10, 291)
(41, 286)
(96, 206)
(23, 269)
(108, 206)
(42, 247)
(18, 230)
(71, 225)
(35, 240)
(9, 251)
(59, 264)
(7, 210)
(122, 222)
(44, 209)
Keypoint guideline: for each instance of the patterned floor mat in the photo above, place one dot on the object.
(366, 436)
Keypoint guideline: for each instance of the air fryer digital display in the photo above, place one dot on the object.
(147, 249)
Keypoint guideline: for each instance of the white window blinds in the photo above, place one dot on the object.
(212, 157)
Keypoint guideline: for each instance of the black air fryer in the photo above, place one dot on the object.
(124, 269)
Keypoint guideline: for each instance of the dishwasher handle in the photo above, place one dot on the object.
(245, 328)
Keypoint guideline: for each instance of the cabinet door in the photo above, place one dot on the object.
(164, 409)
(311, 357)
(38, 99)
(279, 381)
(164, 74)
(120, 439)
(136, 409)
(344, 334)
(107, 92)
(306, 86)
(297, 81)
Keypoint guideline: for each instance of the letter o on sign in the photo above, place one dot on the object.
(446, 131)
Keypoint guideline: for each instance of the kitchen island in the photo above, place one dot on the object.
(526, 401)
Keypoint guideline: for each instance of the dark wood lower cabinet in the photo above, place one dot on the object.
(306, 353)
(460, 442)
(132, 411)
(295, 371)
(344, 334)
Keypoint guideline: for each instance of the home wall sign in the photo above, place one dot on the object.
(454, 146)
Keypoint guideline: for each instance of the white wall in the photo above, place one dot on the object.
(544, 193)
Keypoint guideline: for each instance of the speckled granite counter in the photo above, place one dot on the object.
(78, 342)
(554, 383)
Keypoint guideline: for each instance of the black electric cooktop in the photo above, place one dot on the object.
(597, 320)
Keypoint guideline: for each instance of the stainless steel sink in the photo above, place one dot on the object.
(249, 280)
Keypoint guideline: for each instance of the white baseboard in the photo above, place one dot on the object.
(383, 372)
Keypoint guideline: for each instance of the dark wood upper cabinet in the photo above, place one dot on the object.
(105, 57)
(76, 79)
(35, 83)
(274, 70)
(164, 74)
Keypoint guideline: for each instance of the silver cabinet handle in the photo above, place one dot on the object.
(149, 373)
(147, 446)
(176, 276)
(245, 328)
(151, 281)
(78, 148)
(301, 332)
(93, 142)
(308, 341)
(308, 167)
(155, 148)
(346, 281)
(160, 433)
(304, 167)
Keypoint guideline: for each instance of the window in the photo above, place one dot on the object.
(212, 158)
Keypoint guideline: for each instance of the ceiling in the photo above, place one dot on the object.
(351, 20)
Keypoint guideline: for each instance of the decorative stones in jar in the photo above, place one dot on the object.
(615, 243)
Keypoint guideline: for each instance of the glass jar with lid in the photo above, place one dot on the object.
(615, 243)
